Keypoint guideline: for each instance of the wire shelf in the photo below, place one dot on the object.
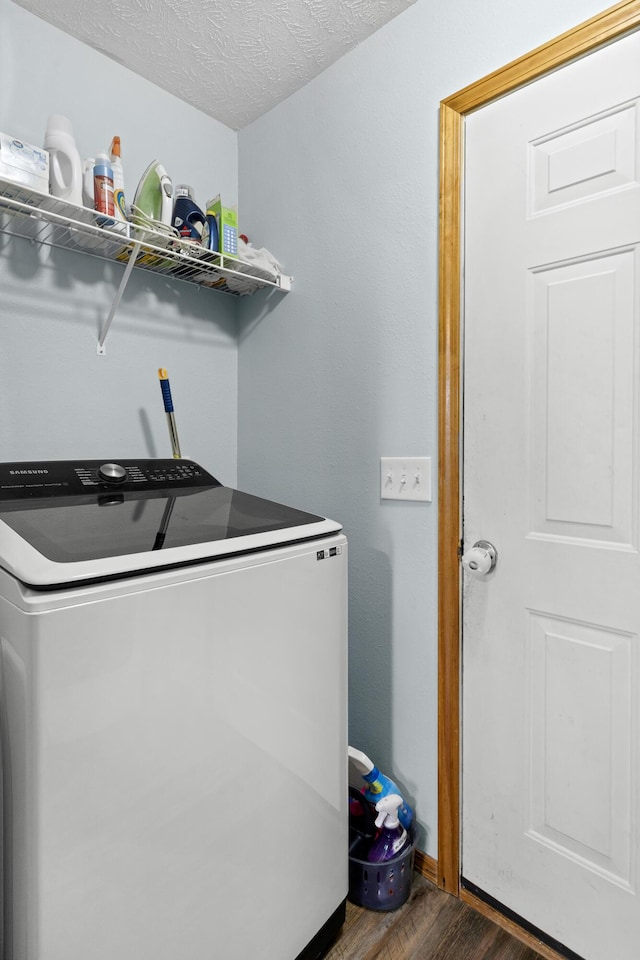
(48, 220)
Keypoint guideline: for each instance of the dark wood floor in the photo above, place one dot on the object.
(432, 925)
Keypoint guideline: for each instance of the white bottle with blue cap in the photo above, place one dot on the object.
(378, 784)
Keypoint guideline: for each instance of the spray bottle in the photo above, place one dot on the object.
(393, 837)
(119, 204)
(380, 786)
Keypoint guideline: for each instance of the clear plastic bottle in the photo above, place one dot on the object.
(88, 198)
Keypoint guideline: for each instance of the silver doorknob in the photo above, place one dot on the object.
(480, 559)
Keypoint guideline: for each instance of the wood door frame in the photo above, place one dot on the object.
(622, 18)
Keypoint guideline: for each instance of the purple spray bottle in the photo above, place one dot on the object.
(393, 837)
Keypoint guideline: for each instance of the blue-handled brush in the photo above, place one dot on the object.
(168, 409)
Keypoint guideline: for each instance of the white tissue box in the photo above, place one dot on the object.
(23, 163)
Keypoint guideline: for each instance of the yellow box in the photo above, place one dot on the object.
(227, 221)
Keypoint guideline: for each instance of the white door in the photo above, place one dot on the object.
(551, 471)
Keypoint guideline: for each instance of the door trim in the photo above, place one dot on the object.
(622, 18)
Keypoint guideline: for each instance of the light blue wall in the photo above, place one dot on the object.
(58, 398)
(341, 182)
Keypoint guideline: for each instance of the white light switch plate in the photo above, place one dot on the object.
(405, 478)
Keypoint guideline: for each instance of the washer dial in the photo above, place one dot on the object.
(112, 473)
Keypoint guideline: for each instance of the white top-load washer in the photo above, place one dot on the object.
(172, 717)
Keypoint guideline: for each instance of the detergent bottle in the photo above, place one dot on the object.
(379, 785)
(393, 837)
(188, 218)
(211, 231)
(65, 165)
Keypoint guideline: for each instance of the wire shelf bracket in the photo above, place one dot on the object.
(135, 250)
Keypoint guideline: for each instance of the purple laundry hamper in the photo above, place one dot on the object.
(381, 886)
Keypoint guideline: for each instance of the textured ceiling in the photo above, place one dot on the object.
(232, 59)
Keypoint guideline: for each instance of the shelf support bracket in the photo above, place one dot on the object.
(135, 250)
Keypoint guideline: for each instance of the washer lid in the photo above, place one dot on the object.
(64, 522)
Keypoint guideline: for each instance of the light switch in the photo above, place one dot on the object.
(405, 478)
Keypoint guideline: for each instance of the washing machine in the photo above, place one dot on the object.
(172, 717)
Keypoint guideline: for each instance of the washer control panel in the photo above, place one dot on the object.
(59, 478)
